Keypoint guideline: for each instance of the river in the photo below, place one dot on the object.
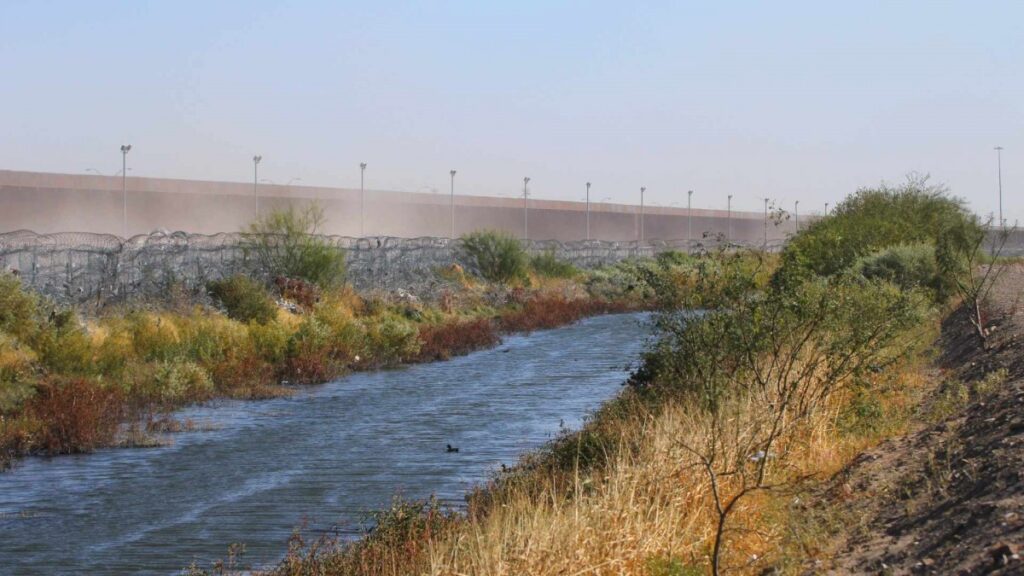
(320, 458)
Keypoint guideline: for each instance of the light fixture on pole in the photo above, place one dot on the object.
(452, 202)
(766, 224)
(526, 209)
(999, 170)
(125, 149)
(796, 215)
(689, 218)
(362, 200)
(728, 217)
(256, 181)
(826, 208)
(642, 190)
(588, 210)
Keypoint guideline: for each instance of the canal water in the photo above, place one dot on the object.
(322, 458)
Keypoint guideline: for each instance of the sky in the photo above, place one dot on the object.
(793, 101)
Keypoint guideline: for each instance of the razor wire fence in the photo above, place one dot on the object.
(85, 267)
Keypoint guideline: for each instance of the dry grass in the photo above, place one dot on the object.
(643, 507)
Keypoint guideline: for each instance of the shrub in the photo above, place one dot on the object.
(286, 243)
(391, 339)
(548, 265)
(871, 220)
(243, 299)
(77, 416)
(178, 381)
(18, 308)
(16, 374)
(495, 256)
(907, 266)
(452, 338)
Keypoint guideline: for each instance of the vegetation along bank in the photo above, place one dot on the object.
(73, 380)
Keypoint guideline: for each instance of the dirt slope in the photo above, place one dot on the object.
(949, 498)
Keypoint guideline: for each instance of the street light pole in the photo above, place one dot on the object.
(526, 209)
(766, 224)
(826, 208)
(362, 200)
(999, 164)
(642, 190)
(796, 212)
(125, 148)
(689, 219)
(728, 234)
(256, 181)
(588, 210)
(452, 174)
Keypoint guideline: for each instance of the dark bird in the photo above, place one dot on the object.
(451, 448)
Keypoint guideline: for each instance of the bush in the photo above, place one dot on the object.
(444, 340)
(496, 256)
(871, 220)
(908, 266)
(548, 265)
(243, 299)
(18, 308)
(286, 243)
(76, 416)
(16, 374)
(181, 380)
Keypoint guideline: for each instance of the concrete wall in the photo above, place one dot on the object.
(50, 203)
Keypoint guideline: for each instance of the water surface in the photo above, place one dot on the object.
(321, 458)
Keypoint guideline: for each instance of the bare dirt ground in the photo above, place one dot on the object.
(949, 497)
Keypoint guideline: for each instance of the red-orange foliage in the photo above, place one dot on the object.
(544, 312)
(78, 416)
(442, 341)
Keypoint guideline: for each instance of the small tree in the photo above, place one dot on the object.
(287, 243)
(961, 256)
(783, 352)
(496, 256)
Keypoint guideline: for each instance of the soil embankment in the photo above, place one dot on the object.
(949, 497)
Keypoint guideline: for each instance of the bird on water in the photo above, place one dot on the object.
(451, 448)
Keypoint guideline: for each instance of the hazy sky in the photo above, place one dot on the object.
(791, 100)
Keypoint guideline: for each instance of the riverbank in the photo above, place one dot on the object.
(71, 383)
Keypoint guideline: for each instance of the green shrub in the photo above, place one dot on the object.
(243, 299)
(287, 243)
(496, 256)
(270, 341)
(908, 266)
(391, 339)
(181, 380)
(871, 220)
(548, 265)
(18, 308)
(17, 378)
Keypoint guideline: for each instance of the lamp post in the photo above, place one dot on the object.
(766, 224)
(642, 190)
(362, 200)
(826, 208)
(689, 218)
(526, 209)
(728, 234)
(452, 174)
(588, 210)
(999, 169)
(256, 181)
(125, 149)
(796, 214)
